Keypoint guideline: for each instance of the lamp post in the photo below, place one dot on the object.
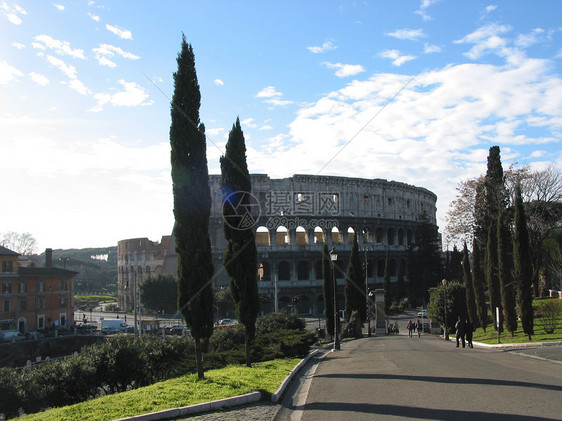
(444, 282)
(333, 259)
(367, 295)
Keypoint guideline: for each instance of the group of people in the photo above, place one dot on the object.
(464, 329)
(413, 326)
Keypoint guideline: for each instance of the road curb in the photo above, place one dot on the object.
(279, 393)
(197, 408)
(522, 345)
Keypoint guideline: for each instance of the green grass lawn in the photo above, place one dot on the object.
(182, 391)
(491, 335)
(100, 298)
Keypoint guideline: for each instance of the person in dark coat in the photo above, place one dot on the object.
(460, 326)
(469, 330)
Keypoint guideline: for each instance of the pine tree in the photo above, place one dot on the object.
(470, 299)
(523, 271)
(492, 277)
(328, 287)
(505, 269)
(355, 284)
(240, 256)
(192, 204)
(478, 285)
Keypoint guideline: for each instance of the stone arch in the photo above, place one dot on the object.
(266, 276)
(284, 271)
(282, 236)
(336, 236)
(392, 267)
(367, 235)
(301, 236)
(262, 236)
(369, 268)
(380, 268)
(390, 234)
(379, 235)
(303, 272)
(319, 236)
(350, 235)
(400, 237)
(410, 237)
(318, 269)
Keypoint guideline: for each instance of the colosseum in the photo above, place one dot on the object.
(293, 218)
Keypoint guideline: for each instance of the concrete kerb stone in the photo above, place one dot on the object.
(197, 408)
(521, 345)
(279, 393)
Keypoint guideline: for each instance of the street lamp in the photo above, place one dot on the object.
(367, 294)
(333, 259)
(444, 282)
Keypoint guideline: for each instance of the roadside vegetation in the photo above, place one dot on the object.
(230, 381)
(99, 298)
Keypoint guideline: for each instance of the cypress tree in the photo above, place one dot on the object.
(386, 284)
(470, 299)
(355, 284)
(240, 256)
(400, 281)
(492, 274)
(478, 285)
(523, 271)
(192, 204)
(328, 287)
(505, 268)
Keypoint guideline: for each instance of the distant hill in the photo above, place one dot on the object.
(96, 267)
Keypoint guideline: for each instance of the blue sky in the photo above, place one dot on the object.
(413, 91)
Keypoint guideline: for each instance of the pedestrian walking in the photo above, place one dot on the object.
(469, 331)
(419, 327)
(460, 327)
(410, 328)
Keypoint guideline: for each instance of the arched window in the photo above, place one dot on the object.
(284, 271)
(262, 236)
(301, 237)
(302, 271)
(390, 236)
(319, 236)
(379, 235)
(380, 268)
(318, 269)
(265, 271)
(336, 236)
(350, 235)
(410, 236)
(282, 236)
(400, 237)
(367, 235)
(392, 267)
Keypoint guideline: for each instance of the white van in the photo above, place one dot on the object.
(109, 326)
(11, 335)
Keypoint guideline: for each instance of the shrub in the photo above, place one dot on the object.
(550, 309)
(10, 398)
(278, 321)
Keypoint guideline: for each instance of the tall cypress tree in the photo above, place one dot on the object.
(240, 256)
(386, 283)
(478, 285)
(523, 270)
(467, 276)
(328, 287)
(505, 269)
(192, 204)
(355, 284)
(492, 274)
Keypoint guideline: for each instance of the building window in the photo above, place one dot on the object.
(41, 321)
(63, 285)
(6, 306)
(365, 200)
(62, 319)
(62, 301)
(7, 287)
(23, 304)
(40, 303)
(22, 286)
(7, 266)
(41, 286)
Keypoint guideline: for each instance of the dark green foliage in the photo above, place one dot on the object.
(281, 320)
(455, 266)
(328, 289)
(11, 399)
(355, 285)
(478, 285)
(401, 285)
(456, 304)
(192, 203)
(469, 288)
(159, 293)
(492, 276)
(523, 270)
(240, 256)
(386, 284)
(550, 310)
(424, 260)
(352, 329)
(505, 270)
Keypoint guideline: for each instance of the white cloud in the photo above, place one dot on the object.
(59, 6)
(487, 39)
(43, 42)
(345, 70)
(327, 46)
(94, 17)
(120, 32)
(397, 59)
(67, 69)
(104, 52)
(268, 92)
(411, 34)
(8, 73)
(133, 95)
(78, 86)
(266, 127)
(248, 123)
(526, 40)
(18, 45)
(11, 13)
(39, 79)
(428, 49)
(489, 9)
(424, 5)
(219, 82)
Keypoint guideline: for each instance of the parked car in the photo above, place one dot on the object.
(422, 313)
(109, 326)
(34, 335)
(12, 335)
(177, 330)
(86, 328)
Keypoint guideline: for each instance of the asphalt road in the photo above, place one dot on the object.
(401, 378)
